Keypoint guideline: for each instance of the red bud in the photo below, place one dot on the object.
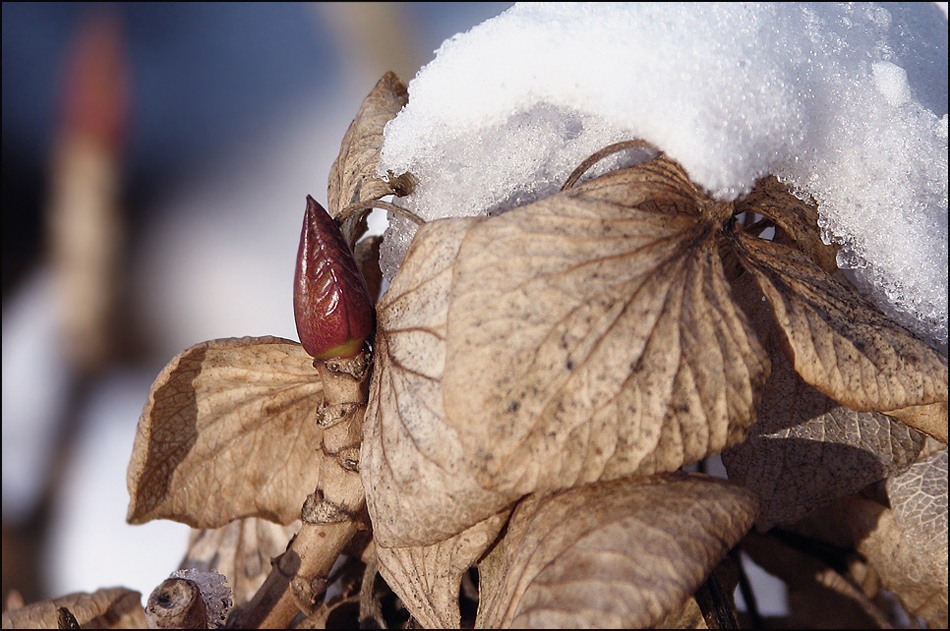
(332, 306)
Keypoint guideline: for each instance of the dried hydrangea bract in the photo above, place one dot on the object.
(332, 307)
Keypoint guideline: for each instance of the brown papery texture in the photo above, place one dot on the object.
(844, 346)
(592, 336)
(917, 570)
(807, 450)
(618, 554)
(419, 488)
(428, 578)
(353, 176)
(205, 451)
(110, 608)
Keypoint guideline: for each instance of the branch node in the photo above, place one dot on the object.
(317, 510)
(307, 592)
(348, 458)
(356, 367)
(336, 413)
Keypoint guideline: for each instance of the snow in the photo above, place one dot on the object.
(845, 103)
(30, 338)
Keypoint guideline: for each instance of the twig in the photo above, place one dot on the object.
(364, 207)
(715, 606)
(603, 153)
(299, 576)
(745, 588)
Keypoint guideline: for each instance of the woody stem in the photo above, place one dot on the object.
(298, 577)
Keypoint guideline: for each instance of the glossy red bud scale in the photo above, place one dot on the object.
(332, 307)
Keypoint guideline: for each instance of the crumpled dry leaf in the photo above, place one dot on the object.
(930, 418)
(909, 565)
(428, 578)
(241, 550)
(229, 431)
(688, 616)
(110, 608)
(918, 500)
(617, 554)
(353, 174)
(807, 450)
(834, 592)
(592, 335)
(905, 545)
(844, 346)
(410, 460)
(797, 219)
(588, 336)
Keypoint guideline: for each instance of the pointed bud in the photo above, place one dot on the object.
(332, 307)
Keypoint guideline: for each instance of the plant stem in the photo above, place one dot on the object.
(298, 577)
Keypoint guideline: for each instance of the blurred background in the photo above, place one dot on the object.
(156, 159)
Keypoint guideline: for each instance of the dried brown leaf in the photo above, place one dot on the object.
(623, 553)
(807, 450)
(930, 418)
(588, 336)
(428, 578)
(713, 606)
(918, 500)
(905, 545)
(909, 566)
(241, 550)
(688, 616)
(841, 344)
(592, 335)
(229, 431)
(819, 596)
(111, 608)
(353, 174)
(419, 489)
(797, 219)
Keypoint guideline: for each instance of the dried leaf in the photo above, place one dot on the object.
(353, 174)
(587, 336)
(688, 616)
(623, 553)
(797, 219)
(905, 545)
(930, 418)
(918, 500)
(820, 596)
(718, 608)
(418, 488)
(428, 578)
(807, 450)
(911, 567)
(229, 431)
(841, 344)
(592, 335)
(112, 608)
(241, 550)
